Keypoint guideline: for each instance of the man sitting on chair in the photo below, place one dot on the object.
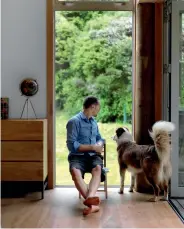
(85, 146)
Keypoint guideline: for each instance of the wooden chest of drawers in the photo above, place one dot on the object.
(24, 152)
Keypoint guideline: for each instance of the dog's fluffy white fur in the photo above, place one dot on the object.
(159, 134)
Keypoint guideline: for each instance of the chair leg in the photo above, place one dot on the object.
(105, 188)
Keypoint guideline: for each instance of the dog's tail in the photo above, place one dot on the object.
(160, 135)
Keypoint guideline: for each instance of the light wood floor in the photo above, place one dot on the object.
(62, 208)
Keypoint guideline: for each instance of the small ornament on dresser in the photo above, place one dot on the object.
(4, 108)
(28, 88)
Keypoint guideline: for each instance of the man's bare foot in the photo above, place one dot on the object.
(91, 209)
(92, 201)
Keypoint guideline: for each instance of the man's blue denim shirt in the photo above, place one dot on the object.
(81, 130)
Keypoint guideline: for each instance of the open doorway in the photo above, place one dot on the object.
(93, 56)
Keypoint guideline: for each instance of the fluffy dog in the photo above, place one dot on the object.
(153, 160)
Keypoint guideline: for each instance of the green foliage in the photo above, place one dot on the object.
(94, 57)
(66, 34)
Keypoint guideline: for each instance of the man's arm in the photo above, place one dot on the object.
(87, 148)
(72, 143)
(72, 128)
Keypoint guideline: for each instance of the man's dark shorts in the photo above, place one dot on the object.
(85, 163)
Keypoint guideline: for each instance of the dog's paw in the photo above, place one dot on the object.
(120, 191)
(154, 199)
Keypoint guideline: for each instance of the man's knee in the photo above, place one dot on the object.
(97, 170)
(76, 174)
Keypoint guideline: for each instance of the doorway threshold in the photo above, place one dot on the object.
(178, 206)
(72, 186)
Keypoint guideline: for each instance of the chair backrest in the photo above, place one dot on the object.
(104, 150)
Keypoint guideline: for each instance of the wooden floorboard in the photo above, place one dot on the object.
(62, 208)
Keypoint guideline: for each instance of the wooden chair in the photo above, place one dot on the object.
(104, 182)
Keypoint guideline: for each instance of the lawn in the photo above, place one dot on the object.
(63, 176)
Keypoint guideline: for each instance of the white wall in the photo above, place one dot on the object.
(23, 46)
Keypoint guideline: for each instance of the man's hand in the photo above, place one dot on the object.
(98, 148)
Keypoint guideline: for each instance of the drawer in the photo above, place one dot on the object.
(21, 151)
(22, 171)
(22, 129)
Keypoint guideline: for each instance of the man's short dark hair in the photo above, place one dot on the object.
(90, 100)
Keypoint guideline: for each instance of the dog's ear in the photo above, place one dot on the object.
(120, 131)
(126, 129)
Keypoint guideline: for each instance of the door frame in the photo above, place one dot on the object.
(55, 5)
(50, 70)
(50, 91)
(93, 5)
(177, 8)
